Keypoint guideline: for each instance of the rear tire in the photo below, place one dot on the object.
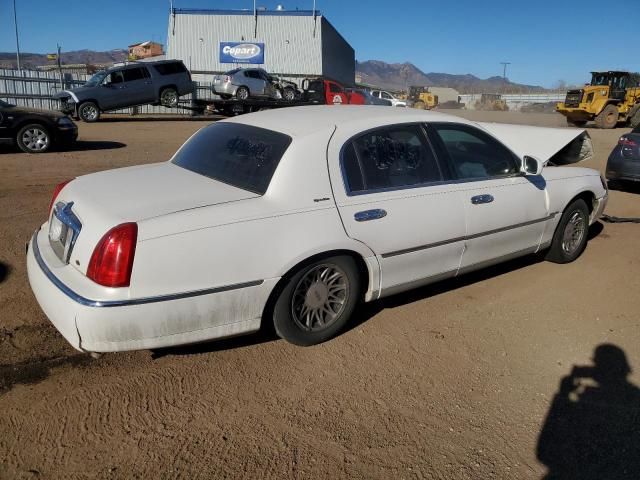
(317, 301)
(634, 120)
(169, 97)
(608, 117)
(570, 237)
(34, 138)
(88, 112)
(242, 93)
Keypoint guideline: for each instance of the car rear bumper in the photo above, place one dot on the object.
(135, 324)
(224, 88)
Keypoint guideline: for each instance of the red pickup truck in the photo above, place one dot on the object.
(329, 92)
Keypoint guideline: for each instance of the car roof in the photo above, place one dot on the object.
(305, 120)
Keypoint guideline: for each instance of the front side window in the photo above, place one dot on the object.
(475, 154)
(386, 96)
(335, 88)
(115, 77)
(389, 158)
(239, 155)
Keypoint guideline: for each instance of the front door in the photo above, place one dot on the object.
(506, 212)
(335, 94)
(389, 192)
(112, 92)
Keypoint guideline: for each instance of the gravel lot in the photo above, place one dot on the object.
(450, 381)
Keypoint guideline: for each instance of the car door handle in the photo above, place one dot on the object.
(478, 199)
(367, 215)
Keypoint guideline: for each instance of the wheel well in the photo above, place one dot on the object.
(164, 87)
(360, 264)
(588, 197)
(95, 102)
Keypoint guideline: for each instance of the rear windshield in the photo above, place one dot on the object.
(170, 68)
(236, 154)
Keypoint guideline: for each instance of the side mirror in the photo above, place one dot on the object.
(531, 165)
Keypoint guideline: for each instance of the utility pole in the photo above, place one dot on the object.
(15, 21)
(504, 70)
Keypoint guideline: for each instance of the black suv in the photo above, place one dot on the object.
(35, 131)
(130, 85)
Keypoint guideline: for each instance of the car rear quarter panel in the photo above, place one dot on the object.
(248, 240)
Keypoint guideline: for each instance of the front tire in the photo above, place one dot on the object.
(289, 94)
(88, 112)
(169, 97)
(317, 301)
(608, 117)
(570, 237)
(34, 138)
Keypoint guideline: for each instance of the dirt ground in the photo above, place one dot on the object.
(450, 381)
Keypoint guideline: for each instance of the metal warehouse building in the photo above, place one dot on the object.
(293, 44)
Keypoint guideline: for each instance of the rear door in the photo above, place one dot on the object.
(506, 212)
(389, 192)
(254, 82)
(138, 86)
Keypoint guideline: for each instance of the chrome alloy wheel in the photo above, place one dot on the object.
(320, 297)
(574, 232)
(89, 112)
(169, 98)
(35, 139)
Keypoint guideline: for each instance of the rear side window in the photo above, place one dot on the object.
(240, 155)
(389, 158)
(170, 68)
(475, 154)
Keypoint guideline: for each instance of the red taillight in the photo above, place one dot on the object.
(227, 78)
(627, 142)
(112, 259)
(56, 192)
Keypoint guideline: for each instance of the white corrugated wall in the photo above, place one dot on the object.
(290, 44)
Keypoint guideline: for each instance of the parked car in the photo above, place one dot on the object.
(245, 83)
(368, 98)
(35, 131)
(139, 83)
(624, 162)
(384, 201)
(329, 92)
(396, 102)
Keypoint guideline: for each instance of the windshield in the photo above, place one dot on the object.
(96, 79)
(5, 104)
(236, 154)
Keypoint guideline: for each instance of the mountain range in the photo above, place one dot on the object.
(398, 76)
(32, 60)
(392, 76)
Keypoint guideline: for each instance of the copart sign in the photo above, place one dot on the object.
(241, 52)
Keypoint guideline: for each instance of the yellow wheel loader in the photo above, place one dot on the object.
(611, 98)
(421, 98)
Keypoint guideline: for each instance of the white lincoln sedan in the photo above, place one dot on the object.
(294, 216)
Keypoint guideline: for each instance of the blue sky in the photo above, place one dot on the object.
(546, 41)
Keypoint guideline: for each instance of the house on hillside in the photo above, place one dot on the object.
(138, 51)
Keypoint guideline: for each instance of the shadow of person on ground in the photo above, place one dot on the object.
(592, 430)
(4, 271)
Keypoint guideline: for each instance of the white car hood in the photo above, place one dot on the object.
(146, 191)
(544, 143)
